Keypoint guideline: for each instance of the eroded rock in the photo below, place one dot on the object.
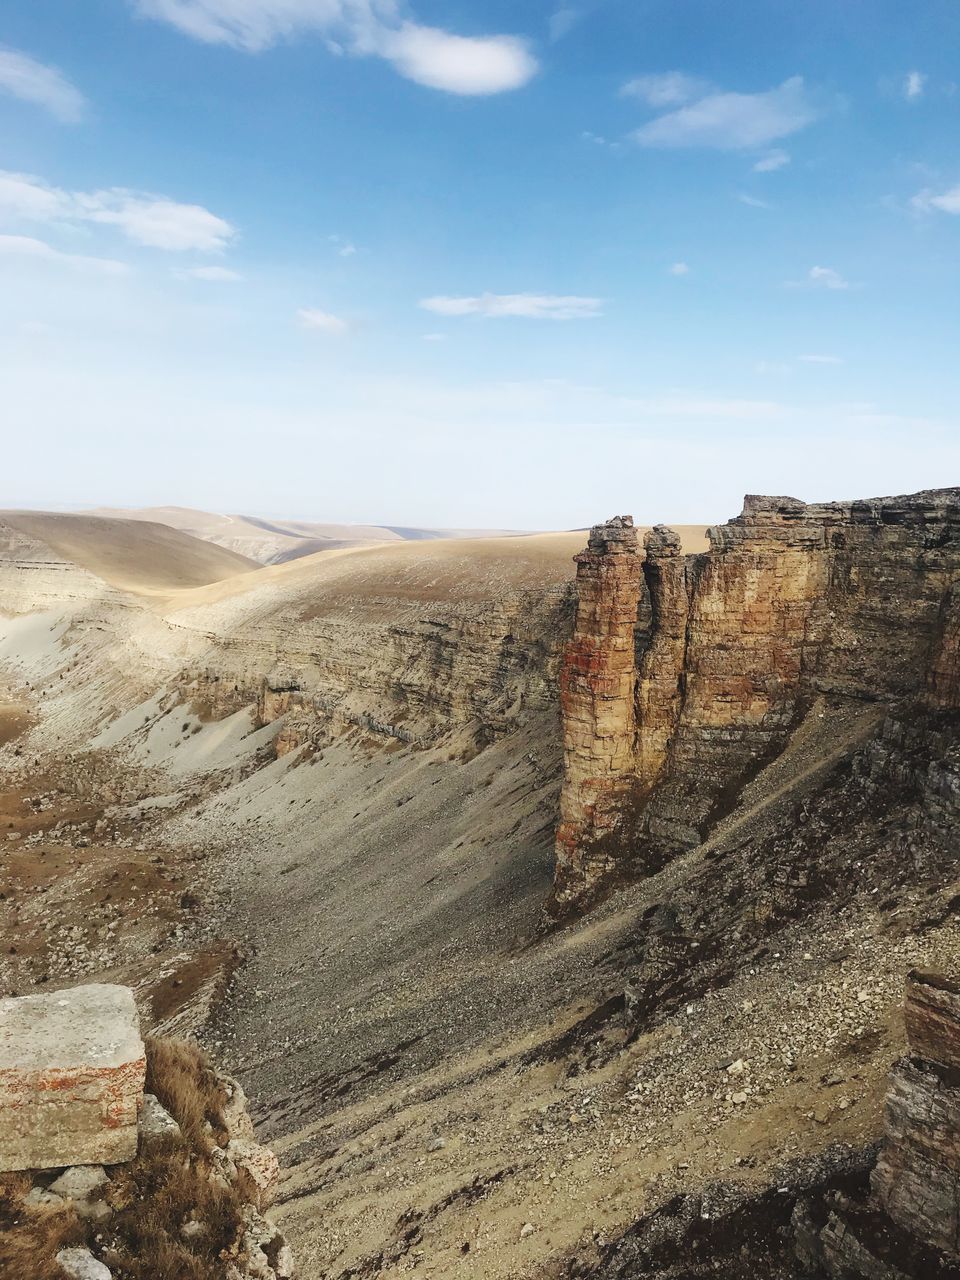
(72, 1068)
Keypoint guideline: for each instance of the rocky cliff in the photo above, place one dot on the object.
(687, 674)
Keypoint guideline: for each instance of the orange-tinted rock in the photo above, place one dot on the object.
(931, 1012)
(597, 679)
(791, 602)
(72, 1069)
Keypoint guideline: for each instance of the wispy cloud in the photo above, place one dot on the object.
(321, 321)
(754, 202)
(820, 360)
(213, 275)
(430, 56)
(562, 21)
(733, 121)
(151, 220)
(680, 269)
(914, 83)
(32, 81)
(530, 306)
(666, 89)
(434, 337)
(772, 161)
(345, 248)
(825, 278)
(929, 201)
(39, 250)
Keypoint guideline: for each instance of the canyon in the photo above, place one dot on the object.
(538, 904)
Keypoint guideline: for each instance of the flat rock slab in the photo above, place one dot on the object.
(72, 1070)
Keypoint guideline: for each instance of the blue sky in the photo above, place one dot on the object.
(479, 264)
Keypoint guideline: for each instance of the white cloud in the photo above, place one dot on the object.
(913, 85)
(434, 337)
(215, 275)
(427, 55)
(668, 89)
(458, 64)
(946, 202)
(530, 306)
(156, 221)
(680, 269)
(31, 81)
(145, 219)
(772, 161)
(28, 247)
(826, 278)
(733, 121)
(323, 321)
(753, 201)
(820, 360)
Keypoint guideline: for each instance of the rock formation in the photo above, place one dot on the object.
(186, 1187)
(596, 697)
(848, 600)
(917, 1178)
(72, 1068)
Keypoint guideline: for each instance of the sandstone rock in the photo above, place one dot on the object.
(72, 1068)
(267, 1256)
(260, 1164)
(931, 1013)
(683, 679)
(80, 1264)
(156, 1122)
(38, 1197)
(917, 1176)
(597, 700)
(84, 1182)
(236, 1117)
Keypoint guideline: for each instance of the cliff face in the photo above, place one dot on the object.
(845, 600)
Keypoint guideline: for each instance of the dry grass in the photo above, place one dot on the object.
(169, 1184)
(183, 1080)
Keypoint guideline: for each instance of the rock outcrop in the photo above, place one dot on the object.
(891, 1213)
(597, 701)
(72, 1068)
(917, 1178)
(187, 1187)
(852, 601)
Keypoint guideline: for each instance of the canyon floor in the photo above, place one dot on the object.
(355, 927)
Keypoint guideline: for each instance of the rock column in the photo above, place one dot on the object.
(597, 687)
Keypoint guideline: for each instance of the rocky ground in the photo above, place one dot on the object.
(454, 1084)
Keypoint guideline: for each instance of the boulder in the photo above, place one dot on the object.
(72, 1069)
(156, 1122)
(80, 1264)
(261, 1166)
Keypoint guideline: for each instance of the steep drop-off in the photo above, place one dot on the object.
(686, 675)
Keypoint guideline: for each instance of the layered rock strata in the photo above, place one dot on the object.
(917, 1177)
(851, 601)
(597, 685)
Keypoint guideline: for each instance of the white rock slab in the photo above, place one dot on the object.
(72, 1069)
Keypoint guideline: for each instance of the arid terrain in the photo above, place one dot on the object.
(309, 811)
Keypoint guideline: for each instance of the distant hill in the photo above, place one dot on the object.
(275, 541)
(136, 555)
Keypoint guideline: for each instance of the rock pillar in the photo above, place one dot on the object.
(597, 686)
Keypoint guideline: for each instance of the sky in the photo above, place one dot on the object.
(478, 264)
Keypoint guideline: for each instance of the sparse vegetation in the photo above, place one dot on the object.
(171, 1183)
